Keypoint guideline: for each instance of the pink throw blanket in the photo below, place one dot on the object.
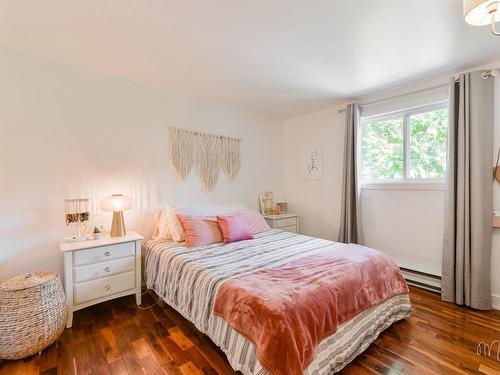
(286, 311)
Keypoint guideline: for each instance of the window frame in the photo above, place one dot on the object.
(405, 183)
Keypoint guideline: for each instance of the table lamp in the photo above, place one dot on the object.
(117, 203)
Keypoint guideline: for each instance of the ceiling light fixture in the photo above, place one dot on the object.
(482, 12)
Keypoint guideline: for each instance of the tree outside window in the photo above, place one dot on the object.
(406, 145)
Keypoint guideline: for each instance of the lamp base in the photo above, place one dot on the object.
(118, 225)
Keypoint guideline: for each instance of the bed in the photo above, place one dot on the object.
(188, 280)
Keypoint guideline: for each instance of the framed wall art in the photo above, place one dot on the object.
(312, 164)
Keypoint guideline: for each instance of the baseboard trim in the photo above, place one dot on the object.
(423, 286)
(422, 280)
(495, 300)
(432, 283)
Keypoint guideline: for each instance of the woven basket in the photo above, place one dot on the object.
(32, 314)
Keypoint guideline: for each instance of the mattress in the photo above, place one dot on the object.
(188, 278)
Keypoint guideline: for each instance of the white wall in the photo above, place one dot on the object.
(390, 217)
(405, 224)
(317, 202)
(67, 132)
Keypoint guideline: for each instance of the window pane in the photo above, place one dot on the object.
(428, 135)
(382, 149)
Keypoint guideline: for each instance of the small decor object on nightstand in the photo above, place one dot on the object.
(283, 207)
(117, 203)
(286, 222)
(496, 170)
(266, 202)
(32, 314)
(99, 270)
(77, 214)
(97, 233)
(496, 219)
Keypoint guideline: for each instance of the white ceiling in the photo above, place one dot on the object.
(282, 57)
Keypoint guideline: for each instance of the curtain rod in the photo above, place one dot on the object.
(405, 94)
(486, 74)
(203, 133)
(398, 96)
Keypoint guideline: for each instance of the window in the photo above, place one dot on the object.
(408, 145)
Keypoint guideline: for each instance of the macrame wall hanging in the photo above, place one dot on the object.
(208, 160)
(230, 161)
(181, 152)
(210, 153)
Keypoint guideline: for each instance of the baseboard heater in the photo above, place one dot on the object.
(422, 280)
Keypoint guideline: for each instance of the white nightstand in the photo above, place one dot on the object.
(287, 222)
(99, 270)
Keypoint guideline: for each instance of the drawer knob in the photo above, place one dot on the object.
(107, 287)
(107, 253)
(107, 269)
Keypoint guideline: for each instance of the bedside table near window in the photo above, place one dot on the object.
(286, 222)
(99, 270)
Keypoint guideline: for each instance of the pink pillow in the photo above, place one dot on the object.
(256, 223)
(234, 228)
(200, 230)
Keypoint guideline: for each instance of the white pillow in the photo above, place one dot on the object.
(156, 218)
(161, 229)
(210, 209)
(175, 225)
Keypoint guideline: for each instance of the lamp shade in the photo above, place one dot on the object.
(117, 203)
(478, 12)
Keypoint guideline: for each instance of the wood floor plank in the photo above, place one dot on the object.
(151, 366)
(118, 367)
(117, 338)
(180, 338)
(141, 348)
(199, 361)
(31, 366)
(11, 367)
(488, 371)
(189, 368)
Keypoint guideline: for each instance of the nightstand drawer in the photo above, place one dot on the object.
(103, 287)
(281, 223)
(104, 269)
(292, 229)
(101, 270)
(104, 253)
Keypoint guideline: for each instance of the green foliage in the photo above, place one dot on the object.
(428, 136)
(382, 147)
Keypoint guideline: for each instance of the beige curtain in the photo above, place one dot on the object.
(350, 219)
(469, 193)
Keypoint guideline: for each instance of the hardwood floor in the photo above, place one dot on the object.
(117, 338)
